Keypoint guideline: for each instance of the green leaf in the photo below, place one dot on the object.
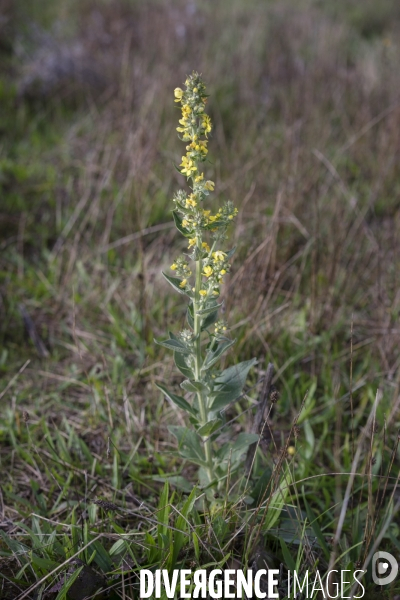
(178, 224)
(193, 386)
(45, 564)
(189, 444)
(189, 316)
(181, 402)
(175, 480)
(289, 561)
(233, 452)
(277, 501)
(182, 366)
(205, 311)
(164, 509)
(262, 486)
(243, 441)
(102, 558)
(175, 345)
(230, 253)
(175, 282)
(230, 383)
(118, 547)
(310, 439)
(209, 427)
(316, 528)
(216, 224)
(212, 357)
(209, 320)
(181, 527)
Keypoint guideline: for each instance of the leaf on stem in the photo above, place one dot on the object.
(180, 363)
(193, 386)
(175, 282)
(178, 400)
(189, 316)
(209, 309)
(212, 357)
(209, 320)
(209, 427)
(189, 444)
(178, 224)
(174, 344)
(229, 385)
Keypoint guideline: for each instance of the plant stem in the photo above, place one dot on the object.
(198, 360)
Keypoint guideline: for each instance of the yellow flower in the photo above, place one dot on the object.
(191, 201)
(192, 242)
(222, 272)
(183, 283)
(291, 450)
(178, 94)
(208, 271)
(199, 178)
(186, 110)
(201, 148)
(206, 213)
(174, 267)
(203, 293)
(206, 124)
(209, 185)
(218, 255)
(185, 223)
(206, 246)
(188, 166)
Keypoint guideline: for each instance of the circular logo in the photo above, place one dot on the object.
(384, 568)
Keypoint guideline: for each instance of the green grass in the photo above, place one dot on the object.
(304, 100)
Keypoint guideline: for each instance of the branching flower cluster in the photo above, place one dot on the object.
(192, 219)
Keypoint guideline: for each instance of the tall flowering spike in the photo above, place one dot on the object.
(204, 232)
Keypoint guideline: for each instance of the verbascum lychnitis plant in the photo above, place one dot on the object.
(199, 274)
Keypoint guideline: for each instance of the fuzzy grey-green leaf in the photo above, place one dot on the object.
(175, 345)
(193, 386)
(181, 402)
(175, 282)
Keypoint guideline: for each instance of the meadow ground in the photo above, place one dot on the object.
(305, 101)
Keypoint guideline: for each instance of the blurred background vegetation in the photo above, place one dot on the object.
(304, 97)
(305, 100)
